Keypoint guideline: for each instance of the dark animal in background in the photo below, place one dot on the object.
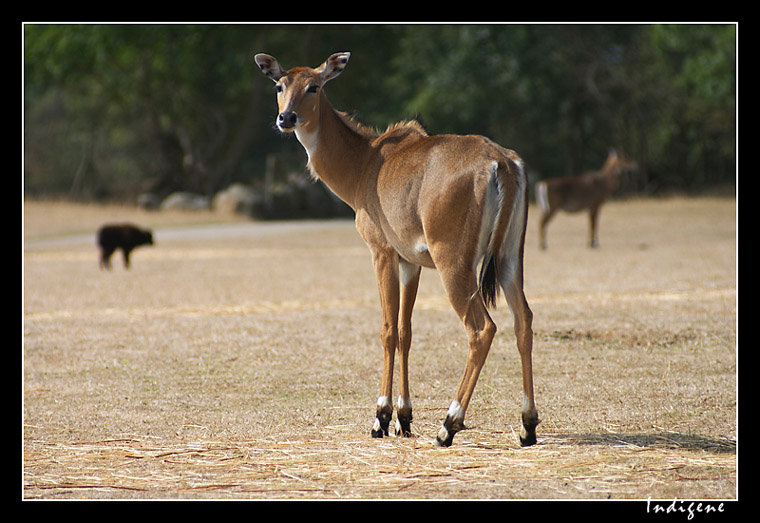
(122, 236)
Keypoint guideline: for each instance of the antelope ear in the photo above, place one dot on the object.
(333, 66)
(269, 66)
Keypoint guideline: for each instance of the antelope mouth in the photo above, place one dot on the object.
(287, 122)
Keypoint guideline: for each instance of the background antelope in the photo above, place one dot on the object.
(454, 203)
(576, 193)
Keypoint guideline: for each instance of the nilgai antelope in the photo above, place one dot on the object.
(576, 193)
(458, 204)
(122, 236)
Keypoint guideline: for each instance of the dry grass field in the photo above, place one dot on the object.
(240, 360)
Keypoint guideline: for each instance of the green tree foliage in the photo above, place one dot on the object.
(112, 110)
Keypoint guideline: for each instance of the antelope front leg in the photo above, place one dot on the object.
(593, 240)
(385, 262)
(410, 279)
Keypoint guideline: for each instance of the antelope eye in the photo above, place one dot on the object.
(279, 88)
(312, 88)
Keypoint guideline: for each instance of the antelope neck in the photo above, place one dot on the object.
(335, 151)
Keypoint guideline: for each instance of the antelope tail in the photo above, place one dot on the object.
(542, 197)
(507, 229)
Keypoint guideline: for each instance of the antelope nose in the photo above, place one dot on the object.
(287, 119)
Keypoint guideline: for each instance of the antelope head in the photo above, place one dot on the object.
(621, 163)
(299, 89)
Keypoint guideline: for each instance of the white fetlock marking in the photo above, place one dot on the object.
(454, 414)
(528, 407)
(455, 411)
(376, 426)
(384, 401)
(403, 403)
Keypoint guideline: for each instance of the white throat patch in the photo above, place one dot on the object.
(308, 140)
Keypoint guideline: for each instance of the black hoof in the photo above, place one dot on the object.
(446, 441)
(528, 434)
(449, 429)
(380, 428)
(401, 431)
(404, 425)
(528, 440)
